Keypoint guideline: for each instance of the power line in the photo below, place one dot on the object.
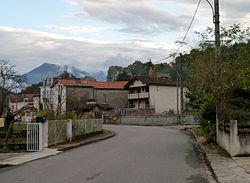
(185, 36)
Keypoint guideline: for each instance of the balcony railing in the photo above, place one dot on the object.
(138, 95)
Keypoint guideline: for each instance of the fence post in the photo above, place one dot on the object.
(40, 131)
(233, 136)
(69, 130)
(45, 134)
(102, 117)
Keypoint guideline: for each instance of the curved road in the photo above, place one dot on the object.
(134, 155)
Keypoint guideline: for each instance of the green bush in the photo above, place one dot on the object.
(68, 115)
(48, 114)
(207, 117)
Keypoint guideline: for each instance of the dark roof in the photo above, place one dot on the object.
(25, 108)
(21, 97)
(66, 75)
(149, 80)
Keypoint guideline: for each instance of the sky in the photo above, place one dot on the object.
(95, 34)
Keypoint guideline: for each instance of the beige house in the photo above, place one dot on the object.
(157, 93)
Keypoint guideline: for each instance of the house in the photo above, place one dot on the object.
(47, 92)
(72, 94)
(24, 106)
(157, 93)
(20, 101)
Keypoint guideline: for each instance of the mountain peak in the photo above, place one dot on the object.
(49, 70)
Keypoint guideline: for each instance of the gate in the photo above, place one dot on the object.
(34, 137)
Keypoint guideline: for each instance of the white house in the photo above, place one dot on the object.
(25, 104)
(153, 92)
(20, 101)
(52, 92)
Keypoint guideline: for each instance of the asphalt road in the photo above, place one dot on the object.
(134, 155)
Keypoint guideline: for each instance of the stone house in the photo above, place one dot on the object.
(73, 94)
(157, 93)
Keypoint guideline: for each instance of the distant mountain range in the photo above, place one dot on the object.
(47, 69)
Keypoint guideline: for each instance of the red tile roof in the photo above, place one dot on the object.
(94, 84)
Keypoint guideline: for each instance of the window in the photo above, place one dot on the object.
(59, 99)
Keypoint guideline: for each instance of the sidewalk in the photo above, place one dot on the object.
(17, 159)
(11, 159)
(225, 168)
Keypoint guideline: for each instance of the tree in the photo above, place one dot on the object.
(33, 89)
(212, 83)
(10, 81)
(113, 72)
(123, 77)
(117, 73)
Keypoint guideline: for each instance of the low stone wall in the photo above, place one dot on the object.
(148, 120)
(234, 140)
(189, 119)
(17, 139)
(156, 120)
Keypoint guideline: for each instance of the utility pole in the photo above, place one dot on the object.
(217, 53)
(181, 84)
(177, 94)
(217, 29)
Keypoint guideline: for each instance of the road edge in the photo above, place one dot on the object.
(88, 141)
(202, 150)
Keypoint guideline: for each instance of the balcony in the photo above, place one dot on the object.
(138, 95)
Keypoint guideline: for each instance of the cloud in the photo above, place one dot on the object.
(74, 29)
(118, 59)
(27, 49)
(231, 11)
(137, 17)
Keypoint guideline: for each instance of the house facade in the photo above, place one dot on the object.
(21, 101)
(71, 94)
(157, 93)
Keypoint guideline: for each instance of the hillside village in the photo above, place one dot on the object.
(67, 94)
(121, 95)
(65, 108)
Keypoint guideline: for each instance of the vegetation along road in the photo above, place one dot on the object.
(134, 155)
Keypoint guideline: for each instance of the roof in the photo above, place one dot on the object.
(21, 97)
(66, 75)
(25, 108)
(149, 80)
(93, 84)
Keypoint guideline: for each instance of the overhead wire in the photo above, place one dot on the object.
(184, 37)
